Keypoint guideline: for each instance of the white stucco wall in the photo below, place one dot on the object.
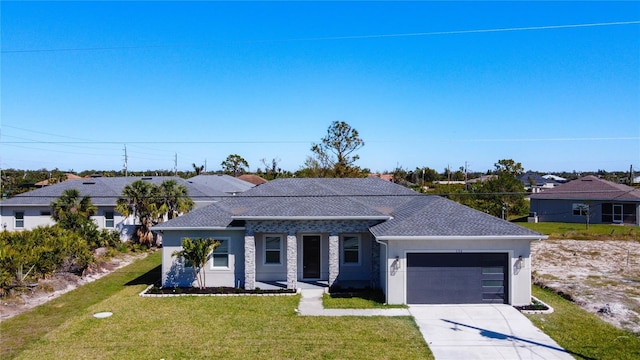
(519, 278)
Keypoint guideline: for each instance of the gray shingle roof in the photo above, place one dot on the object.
(224, 183)
(433, 216)
(403, 211)
(591, 188)
(105, 191)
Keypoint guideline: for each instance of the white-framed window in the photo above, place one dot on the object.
(580, 209)
(19, 219)
(220, 256)
(273, 249)
(351, 249)
(108, 219)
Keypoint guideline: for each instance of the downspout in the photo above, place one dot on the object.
(386, 271)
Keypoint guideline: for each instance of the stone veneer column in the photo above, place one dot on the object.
(334, 259)
(292, 262)
(249, 262)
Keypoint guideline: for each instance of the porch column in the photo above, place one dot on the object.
(334, 259)
(249, 262)
(292, 262)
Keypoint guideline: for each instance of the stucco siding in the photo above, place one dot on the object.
(174, 274)
(519, 272)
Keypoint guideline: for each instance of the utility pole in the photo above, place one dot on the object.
(205, 166)
(126, 158)
(175, 164)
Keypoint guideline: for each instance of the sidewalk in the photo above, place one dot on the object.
(311, 305)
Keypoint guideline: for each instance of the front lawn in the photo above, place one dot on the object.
(580, 232)
(583, 334)
(246, 327)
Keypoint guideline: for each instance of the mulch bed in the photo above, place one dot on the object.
(214, 291)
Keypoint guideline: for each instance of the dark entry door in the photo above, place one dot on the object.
(311, 257)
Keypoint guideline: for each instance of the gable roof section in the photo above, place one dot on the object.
(105, 191)
(431, 216)
(224, 183)
(591, 188)
(403, 213)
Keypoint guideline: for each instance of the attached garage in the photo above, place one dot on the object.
(457, 278)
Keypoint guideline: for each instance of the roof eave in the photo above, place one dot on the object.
(166, 228)
(476, 237)
(298, 218)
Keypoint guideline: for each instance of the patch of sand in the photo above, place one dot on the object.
(603, 277)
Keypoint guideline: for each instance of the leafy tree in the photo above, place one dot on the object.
(72, 211)
(196, 253)
(140, 199)
(335, 151)
(235, 165)
(173, 199)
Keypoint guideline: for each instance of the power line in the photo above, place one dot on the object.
(334, 38)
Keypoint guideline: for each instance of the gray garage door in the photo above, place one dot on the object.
(461, 278)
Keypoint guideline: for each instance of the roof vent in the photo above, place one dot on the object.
(88, 183)
(147, 178)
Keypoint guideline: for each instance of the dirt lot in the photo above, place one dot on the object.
(603, 277)
(59, 284)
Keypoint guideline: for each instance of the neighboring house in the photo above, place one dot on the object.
(535, 183)
(31, 209)
(225, 183)
(364, 232)
(482, 179)
(603, 201)
(254, 179)
(47, 182)
(555, 178)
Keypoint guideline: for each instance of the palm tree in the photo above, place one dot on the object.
(140, 199)
(71, 211)
(197, 169)
(196, 253)
(173, 199)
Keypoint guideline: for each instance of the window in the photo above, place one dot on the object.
(108, 219)
(19, 215)
(351, 249)
(580, 209)
(272, 249)
(220, 256)
(45, 213)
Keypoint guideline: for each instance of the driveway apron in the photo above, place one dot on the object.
(483, 332)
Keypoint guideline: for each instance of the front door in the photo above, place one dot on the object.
(617, 213)
(311, 256)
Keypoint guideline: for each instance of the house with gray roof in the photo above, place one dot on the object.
(602, 201)
(348, 233)
(225, 183)
(32, 209)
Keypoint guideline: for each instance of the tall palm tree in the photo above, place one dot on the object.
(196, 253)
(140, 199)
(71, 210)
(173, 199)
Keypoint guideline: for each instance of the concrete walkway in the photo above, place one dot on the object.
(455, 332)
(311, 305)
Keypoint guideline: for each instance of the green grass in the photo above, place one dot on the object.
(584, 334)
(580, 232)
(197, 327)
(373, 299)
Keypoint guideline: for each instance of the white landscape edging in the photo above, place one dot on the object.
(548, 311)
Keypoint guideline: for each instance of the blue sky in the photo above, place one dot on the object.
(421, 81)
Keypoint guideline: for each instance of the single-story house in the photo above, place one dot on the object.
(536, 183)
(364, 232)
(31, 209)
(225, 183)
(605, 202)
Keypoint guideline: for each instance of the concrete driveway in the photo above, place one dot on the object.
(483, 332)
